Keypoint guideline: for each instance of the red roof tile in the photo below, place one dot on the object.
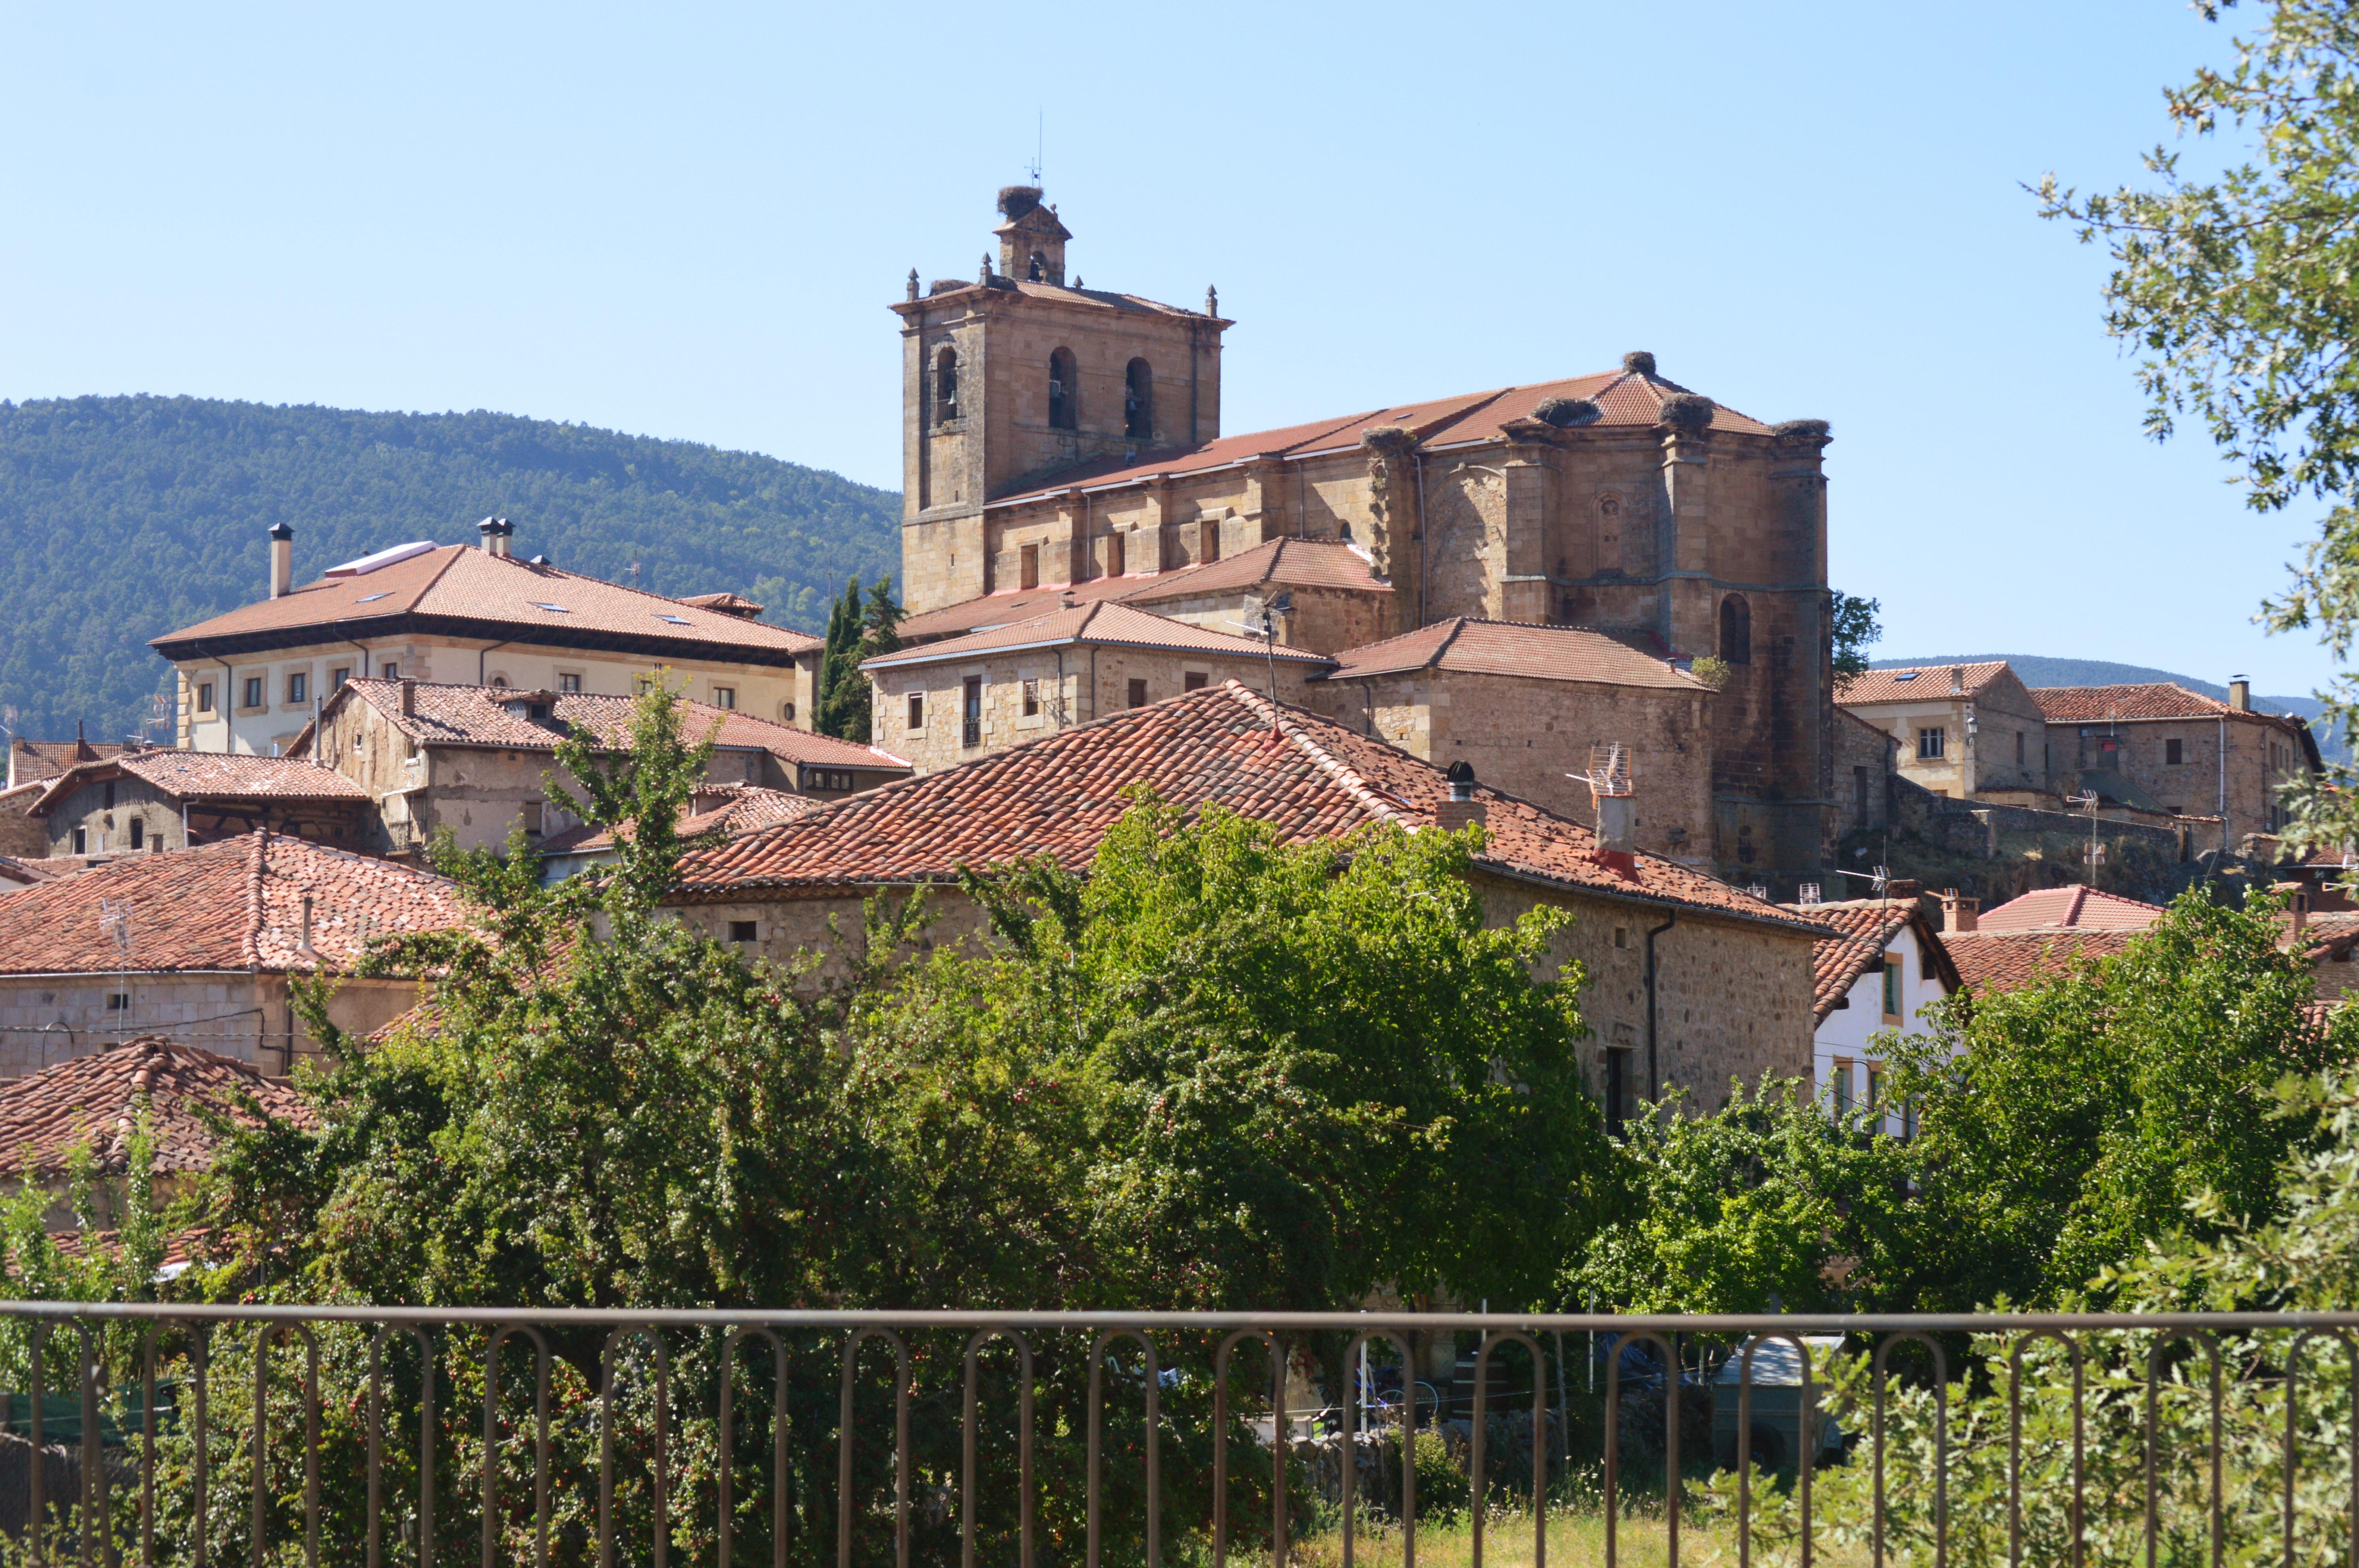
(454, 586)
(1516, 648)
(38, 762)
(1864, 929)
(2156, 700)
(1990, 961)
(1105, 622)
(736, 604)
(1626, 399)
(90, 1102)
(478, 716)
(208, 775)
(2086, 908)
(724, 809)
(1921, 683)
(1308, 777)
(233, 905)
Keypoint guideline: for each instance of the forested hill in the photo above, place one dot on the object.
(121, 518)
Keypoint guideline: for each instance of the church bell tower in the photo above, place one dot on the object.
(1016, 377)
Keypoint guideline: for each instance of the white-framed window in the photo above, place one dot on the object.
(204, 696)
(917, 711)
(1931, 744)
(298, 686)
(1031, 700)
(390, 670)
(254, 691)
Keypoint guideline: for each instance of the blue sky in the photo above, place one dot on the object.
(687, 220)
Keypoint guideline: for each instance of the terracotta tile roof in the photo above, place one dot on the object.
(38, 762)
(1309, 777)
(90, 1101)
(1626, 399)
(19, 873)
(2325, 934)
(208, 775)
(2049, 909)
(452, 587)
(1514, 648)
(2154, 699)
(724, 809)
(2008, 961)
(478, 716)
(1124, 304)
(233, 905)
(1864, 929)
(1105, 622)
(1920, 684)
(1288, 563)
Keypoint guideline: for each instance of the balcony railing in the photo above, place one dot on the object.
(368, 1435)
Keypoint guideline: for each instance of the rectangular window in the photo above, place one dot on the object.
(2171, 753)
(2018, 748)
(1208, 541)
(139, 834)
(532, 818)
(724, 696)
(1842, 1083)
(1138, 694)
(254, 691)
(1114, 554)
(569, 681)
(81, 847)
(974, 697)
(118, 1001)
(204, 696)
(391, 670)
(337, 679)
(1029, 571)
(1891, 990)
(917, 721)
(1874, 1085)
(742, 931)
(1929, 968)
(1929, 743)
(110, 796)
(1031, 700)
(299, 687)
(1194, 680)
(1617, 1087)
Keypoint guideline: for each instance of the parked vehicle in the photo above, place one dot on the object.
(1777, 1433)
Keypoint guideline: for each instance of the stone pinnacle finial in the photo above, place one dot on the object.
(1212, 300)
(913, 283)
(984, 276)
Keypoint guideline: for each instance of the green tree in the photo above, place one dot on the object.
(858, 630)
(2238, 290)
(1855, 631)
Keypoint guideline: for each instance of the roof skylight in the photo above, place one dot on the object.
(675, 620)
(1908, 675)
(372, 598)
(552, 609)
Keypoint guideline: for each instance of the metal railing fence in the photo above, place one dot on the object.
(375, 1436)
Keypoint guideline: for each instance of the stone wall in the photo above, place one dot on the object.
(1526, 736)
(45, 1019)
(2261, 757)
(104, 812)
(1863, 765)
(22, 837)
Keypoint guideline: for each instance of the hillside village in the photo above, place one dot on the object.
(1591, 615)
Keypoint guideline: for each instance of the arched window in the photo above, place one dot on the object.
(1138, 401)
(1735, 630)
(1064, 384)
(946, 403)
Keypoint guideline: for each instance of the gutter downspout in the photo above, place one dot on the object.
(2223, 786)
(1653, 1073)
(484, 653)
(1058, 653)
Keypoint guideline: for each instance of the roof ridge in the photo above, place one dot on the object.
(1345, 777)
(1449, 639)
(257, 869)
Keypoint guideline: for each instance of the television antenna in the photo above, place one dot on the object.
(2095, 856)
(1039, 140)
(1609, 770)
(1877, 879)
(1264, 625)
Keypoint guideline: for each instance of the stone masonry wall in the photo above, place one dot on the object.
(45, 1019)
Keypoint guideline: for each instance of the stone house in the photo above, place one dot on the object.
(142, 802)
(250, 680)
(717, 811)
(1054, 434)
(1881, 967)
(38, 761)
(2163, 747)
(91, 1103)
(1526, 706)
(1966, 731)
(198, 946)
(476, 759)
(1692, 981)
(950, 701)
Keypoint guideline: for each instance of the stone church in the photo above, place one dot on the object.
(1063, 444)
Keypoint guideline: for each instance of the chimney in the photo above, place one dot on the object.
(2240, 695)
(496, 532)
(1065, 600)
(408, 697)
(305, 944)
(282, 560)
(1959, 914)
(2297, 899)
(1957, 680)
(1461, 807)
(1900, 889)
